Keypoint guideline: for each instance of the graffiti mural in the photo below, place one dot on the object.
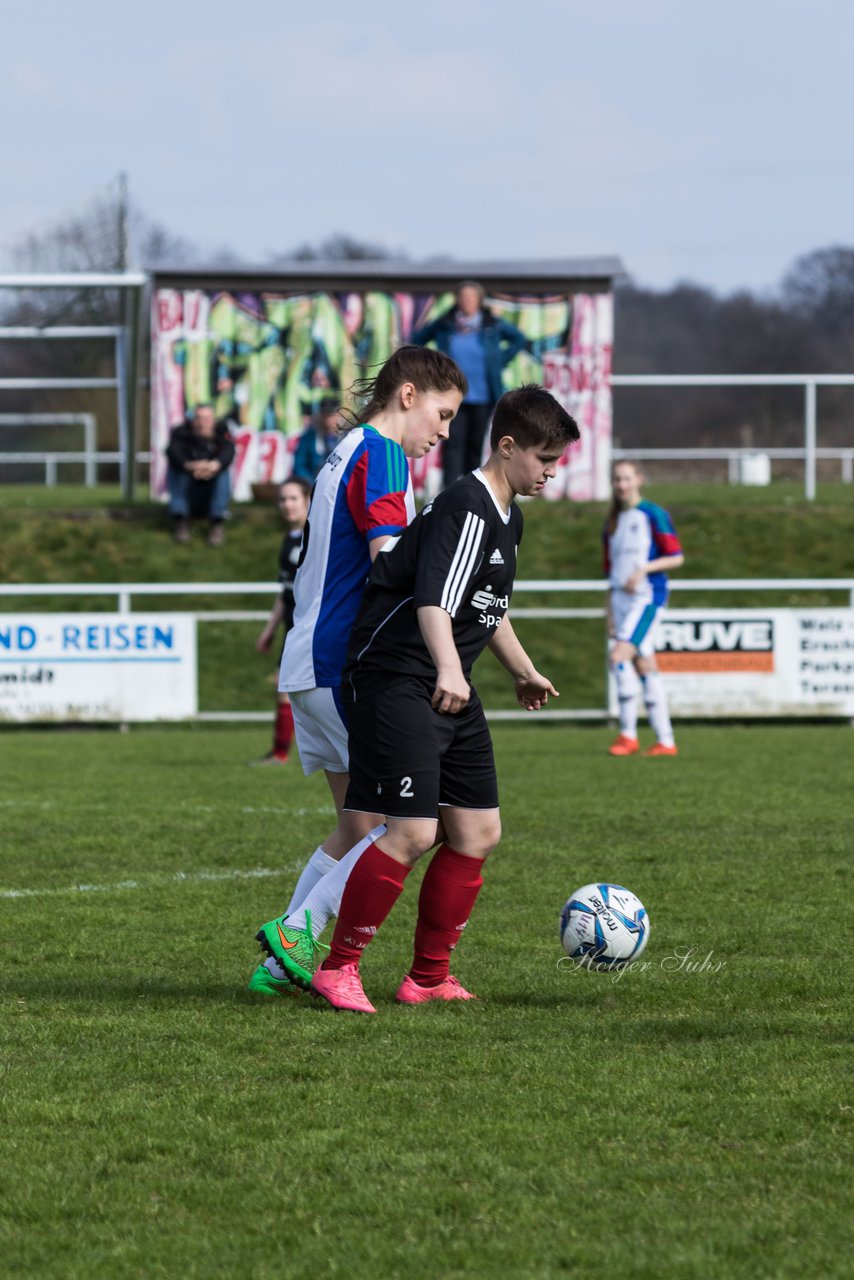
(265, 361)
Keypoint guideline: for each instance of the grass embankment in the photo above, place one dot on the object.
(75, 535)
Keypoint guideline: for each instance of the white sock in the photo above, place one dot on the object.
(324, 899)
(627, 695)
(318, 866)
(273, 966)
(656, 707)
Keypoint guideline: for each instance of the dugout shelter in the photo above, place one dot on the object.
(265, 345)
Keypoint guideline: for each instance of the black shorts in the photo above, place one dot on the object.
(406, 760)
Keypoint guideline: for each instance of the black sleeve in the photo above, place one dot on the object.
(176, 450)
(451, 551)
(225, 447)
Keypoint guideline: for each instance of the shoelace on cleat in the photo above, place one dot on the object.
(314, 949)
(350, 982)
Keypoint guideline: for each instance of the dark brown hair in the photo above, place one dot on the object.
(427, 370)
(532, 416)
(300, 482)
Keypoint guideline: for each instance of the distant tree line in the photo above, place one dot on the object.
(807, 327)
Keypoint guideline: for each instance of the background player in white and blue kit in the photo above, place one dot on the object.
(640, 546)
(362, 497)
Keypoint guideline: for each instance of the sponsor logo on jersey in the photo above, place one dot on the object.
(485, 601)
(496, 557)
(716, 644)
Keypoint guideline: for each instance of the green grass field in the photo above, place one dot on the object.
(158, 1121)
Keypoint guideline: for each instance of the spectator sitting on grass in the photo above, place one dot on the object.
(200, 452)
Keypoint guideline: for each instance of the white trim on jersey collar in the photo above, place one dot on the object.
(505, 515)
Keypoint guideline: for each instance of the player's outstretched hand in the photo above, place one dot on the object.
(532, 691)
(451, 694)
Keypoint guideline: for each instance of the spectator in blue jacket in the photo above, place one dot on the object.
(481, 343)
(317, 441)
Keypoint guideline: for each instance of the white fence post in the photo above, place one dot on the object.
(809, 439)
(90, 446)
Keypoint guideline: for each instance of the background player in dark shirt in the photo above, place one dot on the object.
(437, 596)
(293, 500)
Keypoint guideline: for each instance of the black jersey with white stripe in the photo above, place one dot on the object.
(459, 554)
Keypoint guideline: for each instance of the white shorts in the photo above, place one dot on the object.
(635, 620)
(320, 730)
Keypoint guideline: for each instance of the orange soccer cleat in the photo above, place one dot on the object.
(624, 746)
(659, 749)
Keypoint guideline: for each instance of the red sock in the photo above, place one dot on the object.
(448, 894)
(284, 730)
(374, 886)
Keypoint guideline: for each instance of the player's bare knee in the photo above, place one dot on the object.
(644, 666)
(473, 832)
(622, 651)
(408, 840)
(491, 835)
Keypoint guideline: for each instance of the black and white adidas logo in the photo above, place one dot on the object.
(496, 557)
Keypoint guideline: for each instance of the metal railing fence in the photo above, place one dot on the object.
(124, 594)
(809, 382)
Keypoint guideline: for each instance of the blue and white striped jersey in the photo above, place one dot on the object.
(362, 492)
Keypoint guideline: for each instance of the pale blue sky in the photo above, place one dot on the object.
(700, 141)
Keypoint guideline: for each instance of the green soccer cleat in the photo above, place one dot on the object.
(295, 949)
(263, 983)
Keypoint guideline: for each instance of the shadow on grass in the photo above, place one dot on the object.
(113, 991)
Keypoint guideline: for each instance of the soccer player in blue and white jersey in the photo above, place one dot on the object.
(362, 498)
(640, 546)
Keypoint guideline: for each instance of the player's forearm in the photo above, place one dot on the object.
(664, 564)
(277, 613)
(438, 634)
(508, 650)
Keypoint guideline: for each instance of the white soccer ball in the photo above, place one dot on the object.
(603, 926)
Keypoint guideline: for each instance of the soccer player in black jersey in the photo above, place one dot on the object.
(437, 596)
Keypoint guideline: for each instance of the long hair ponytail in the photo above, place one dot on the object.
(427, 370)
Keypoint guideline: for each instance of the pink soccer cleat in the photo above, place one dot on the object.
(409, 992)
(342, 988)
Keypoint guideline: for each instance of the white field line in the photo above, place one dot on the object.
(176, 877)
(94, 806)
